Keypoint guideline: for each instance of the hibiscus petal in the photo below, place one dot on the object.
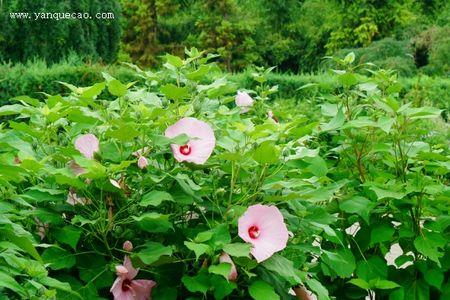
(118, 292)
(202, 141)
(243, 99)
(87, 144)
(225, 258)
(132, 272)
(273, 234)
(142, 288)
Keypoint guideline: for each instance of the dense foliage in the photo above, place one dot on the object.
(409, 36)
(37, 78)
(361, 186)
(52, 39)
(294, 35)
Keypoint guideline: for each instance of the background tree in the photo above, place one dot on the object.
(52, 40)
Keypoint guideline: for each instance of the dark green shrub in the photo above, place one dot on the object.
(432, 50)
(33, 78)
(52, 39)
(387, 53)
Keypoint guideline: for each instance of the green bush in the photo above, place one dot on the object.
(433, 48)
(36, 77)
(423, 90)
(387, 53)
(33, 78)
(53, 39)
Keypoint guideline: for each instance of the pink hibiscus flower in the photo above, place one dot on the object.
(263, 226)
(225, 258)
(244, 101)
(201, 144)
(126, 288)
(87, 144)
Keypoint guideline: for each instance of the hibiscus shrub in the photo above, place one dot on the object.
(188, 187)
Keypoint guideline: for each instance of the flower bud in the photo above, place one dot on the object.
(225, 258)
(127, 246)
(142, 162)
(121, 270)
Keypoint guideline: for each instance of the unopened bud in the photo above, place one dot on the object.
(142, 162)
(127, 246)
(121, 270)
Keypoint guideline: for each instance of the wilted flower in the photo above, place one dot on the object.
(271, 115)
(127, 246)
(263, 226)
(244, 101)
(225, 258)
(201, 144)
(73, 199)
(41, 228)
(142, 162)
(302, 293)
(76, 168)
(87, 144)
(126, 288)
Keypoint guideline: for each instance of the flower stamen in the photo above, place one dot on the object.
(185, 149)
(254, 232)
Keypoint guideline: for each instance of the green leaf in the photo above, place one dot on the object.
(335, 123)
(203, 236)
(359, 205)
(174, 92)
(222, 287)
(6, 281)
(125, 132)
(68, 235)
(58, 258)
(383, 284)
(26, 99)
(349, 58)
(383, 193)
(372, 268)
(423, 112)
(13, 109)
(429, 243)
(434, 277)
(199, 249)
(266, 153)
(93, 91)
(238, 249)
(54, 283)
(283, 267)
(199, 283)
(315, 286)
(317, 166)
(152, 252)
(154, 222)
(22, 240)
(174, 60)
(221, 236)
(361, 283)
(381, 233)
(222, 269)
(347, 79)
(261, 290)
(154, 198)
(341, 262)
(417, 290)
(117, 88)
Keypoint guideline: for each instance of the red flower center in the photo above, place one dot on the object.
(185, 149)
(126, 285)
(254, 232)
